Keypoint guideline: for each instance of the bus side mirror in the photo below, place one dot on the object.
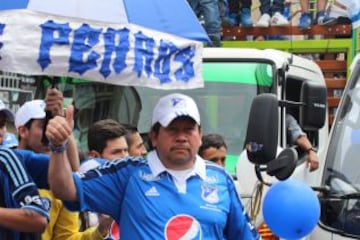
(313, 111)
(262, 131)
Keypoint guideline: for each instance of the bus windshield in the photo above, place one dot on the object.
(342, 175)
(224, 102)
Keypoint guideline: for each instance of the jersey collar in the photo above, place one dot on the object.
(157, 167)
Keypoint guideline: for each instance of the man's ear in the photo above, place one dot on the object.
(94, 154)
(201, 135)
(22, 132)
(152, 138)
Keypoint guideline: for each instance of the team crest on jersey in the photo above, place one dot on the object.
(209, 194)
(183, 227)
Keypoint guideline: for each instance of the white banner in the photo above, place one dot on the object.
(42, 44)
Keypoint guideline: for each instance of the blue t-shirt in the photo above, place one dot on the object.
(149, 206)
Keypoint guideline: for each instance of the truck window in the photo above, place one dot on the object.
(292, 92)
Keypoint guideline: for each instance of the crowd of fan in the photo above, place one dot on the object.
(214, 14)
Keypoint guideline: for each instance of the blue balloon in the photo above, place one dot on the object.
(291, 209)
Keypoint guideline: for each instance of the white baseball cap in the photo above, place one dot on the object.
(34, 109)
(173, 106)
(8, 113)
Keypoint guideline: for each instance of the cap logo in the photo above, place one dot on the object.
(42, 105)
(177, 102)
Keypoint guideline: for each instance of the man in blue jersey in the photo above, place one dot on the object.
(171, 194)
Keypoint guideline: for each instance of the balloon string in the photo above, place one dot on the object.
(256, 203)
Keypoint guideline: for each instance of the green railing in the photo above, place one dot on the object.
(328, 44)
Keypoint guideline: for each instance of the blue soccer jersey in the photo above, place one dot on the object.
(147, 203)
(18, 191)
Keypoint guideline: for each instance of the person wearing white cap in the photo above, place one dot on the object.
(29, 122)
(19, 223)
(172, 193)
(6, 115)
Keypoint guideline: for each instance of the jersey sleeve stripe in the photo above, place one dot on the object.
(14, 167)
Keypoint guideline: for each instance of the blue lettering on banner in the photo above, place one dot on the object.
(162, 63)
(85, 38)
(48, 39)
(147, 59)
(2, 27)
(120, 49)
(144, 49)
(185, 56)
